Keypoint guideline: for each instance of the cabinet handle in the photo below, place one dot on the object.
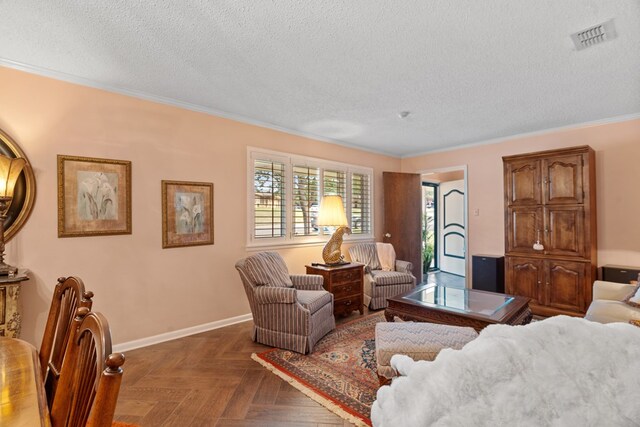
(539, 282)
(348, 303)
(348, 289)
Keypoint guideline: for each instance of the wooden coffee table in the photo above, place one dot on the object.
(458, 307)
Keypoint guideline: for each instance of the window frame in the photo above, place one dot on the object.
(290, 160)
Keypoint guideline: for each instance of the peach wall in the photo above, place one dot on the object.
(617, 147)
(144, 290)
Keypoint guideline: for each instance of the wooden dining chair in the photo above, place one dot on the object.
(90, 377)
(68, 295)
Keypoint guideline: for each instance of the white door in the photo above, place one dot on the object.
(452, 233)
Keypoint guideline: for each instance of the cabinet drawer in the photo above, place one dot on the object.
(347, 305)
(346, 289)
(346, 276)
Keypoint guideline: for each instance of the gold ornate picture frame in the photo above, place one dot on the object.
(94, 196)
(187, 213)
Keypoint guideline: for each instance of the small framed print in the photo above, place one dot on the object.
(94, 196)
(187, 213)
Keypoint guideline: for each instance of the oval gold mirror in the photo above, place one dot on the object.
(25, 190)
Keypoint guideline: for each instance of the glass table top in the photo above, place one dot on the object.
(460, 300)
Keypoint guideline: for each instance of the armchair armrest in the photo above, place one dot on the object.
(404, 266)
(275, 295)
(611, 290)
(307, 282)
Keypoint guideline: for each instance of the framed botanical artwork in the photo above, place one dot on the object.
(187, 213)
(94, 196)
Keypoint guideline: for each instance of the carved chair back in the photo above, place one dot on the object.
(68, 295)
(90, 377)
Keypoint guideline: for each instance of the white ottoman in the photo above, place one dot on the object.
(420, 341)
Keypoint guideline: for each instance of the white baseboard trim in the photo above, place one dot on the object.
(168, 336)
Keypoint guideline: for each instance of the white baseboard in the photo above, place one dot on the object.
(168, 336)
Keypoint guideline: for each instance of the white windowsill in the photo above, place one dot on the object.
(256, 247)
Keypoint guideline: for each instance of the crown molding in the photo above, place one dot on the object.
(609, 120)
(69, 78)
(58, 75)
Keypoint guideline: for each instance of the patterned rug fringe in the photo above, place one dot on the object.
(327, 403)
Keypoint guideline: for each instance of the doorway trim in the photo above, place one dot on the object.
(424, 175)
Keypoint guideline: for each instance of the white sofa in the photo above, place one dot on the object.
(607, 305)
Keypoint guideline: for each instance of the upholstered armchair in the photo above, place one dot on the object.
(385, 276)
(289, 311)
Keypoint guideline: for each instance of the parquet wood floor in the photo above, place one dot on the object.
(209, 379)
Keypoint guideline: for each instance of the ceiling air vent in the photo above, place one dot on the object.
(594, 35)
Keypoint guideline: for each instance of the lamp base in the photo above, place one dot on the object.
(7, 270)
(331, 253)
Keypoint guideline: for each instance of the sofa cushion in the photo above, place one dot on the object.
(367, 254)
(314, 300)
(383, 278)
(633, 299)
(607, 311)
(268, 269)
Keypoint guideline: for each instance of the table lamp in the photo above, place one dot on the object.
(10, 170)
(331, 214)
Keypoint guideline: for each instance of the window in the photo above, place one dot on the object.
(360, 204)
(306, 195)
(269, 194)
(285, 192)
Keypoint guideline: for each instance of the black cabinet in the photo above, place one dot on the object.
(619, 273)
(488, 273)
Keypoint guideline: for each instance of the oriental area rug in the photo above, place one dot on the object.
(340, 374)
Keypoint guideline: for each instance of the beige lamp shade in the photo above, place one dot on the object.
(10, 170)
(331, 212)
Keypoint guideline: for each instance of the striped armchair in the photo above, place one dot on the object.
(289, 311)
(380, 284)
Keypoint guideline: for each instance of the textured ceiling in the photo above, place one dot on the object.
(467, 70)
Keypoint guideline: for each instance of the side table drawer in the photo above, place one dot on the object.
(346, 289)
(346, 276)
(347, 305)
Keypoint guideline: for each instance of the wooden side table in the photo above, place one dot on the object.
(346, 283)
(10, 317)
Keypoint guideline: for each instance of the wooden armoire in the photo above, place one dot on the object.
(550, 235)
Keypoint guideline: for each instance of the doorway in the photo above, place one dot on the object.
(444, 225)
(429, 226)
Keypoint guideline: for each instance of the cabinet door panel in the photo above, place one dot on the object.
(523, 182)
(524, 278)
(564, 287)
(563, 179)
(564, 230)
(524, 225)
